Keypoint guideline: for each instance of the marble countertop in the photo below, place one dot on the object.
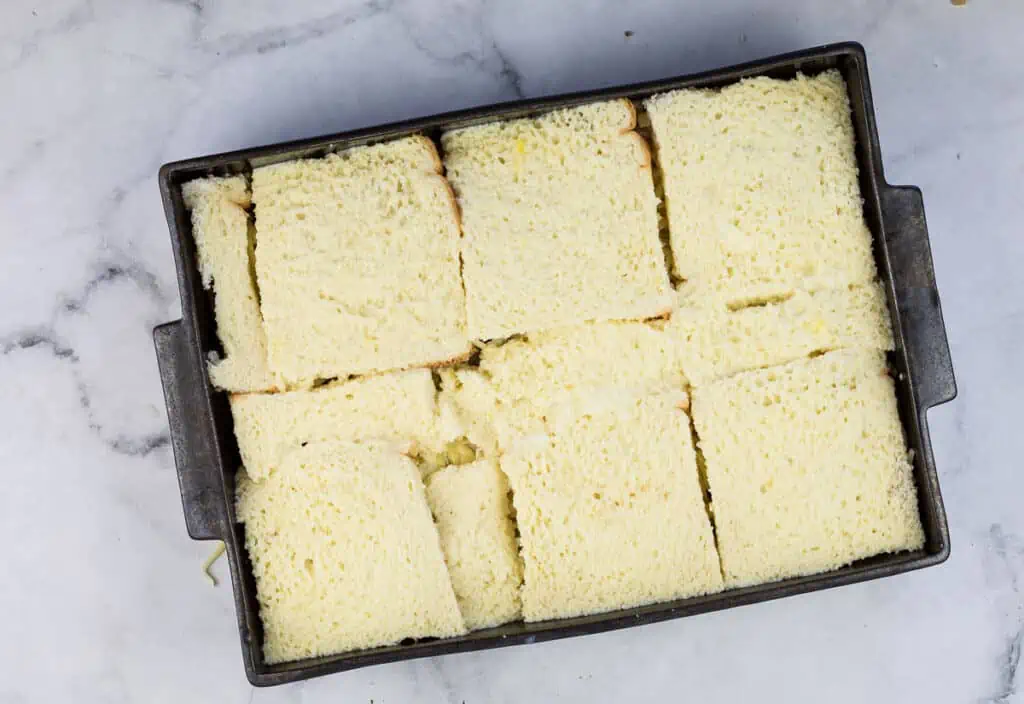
(101, 589)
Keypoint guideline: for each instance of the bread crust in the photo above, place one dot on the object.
(643, 149)
(437, 364)
(456, 210)
(432, 148)
(451, 361)
(631, 120)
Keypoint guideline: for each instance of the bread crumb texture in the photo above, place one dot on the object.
(358, 262)
(714, 342)
(807, 467)
(471, 409)
(559, 220)
(519, 381)
(222, 233)
(558, 475)
(609, 507)
(761, 189)
(345, 553)
(399, 406)
(629, 354)
(471, 506)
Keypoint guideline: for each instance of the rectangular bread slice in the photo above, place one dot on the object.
(713, 341)
(518, 381)
(761, 189)
(610, 509)
(357, 256)
(807, 467)
(345, 552)
(399, 406)
(636, 355)
(559, 220)
(223, 236)
(471, 506)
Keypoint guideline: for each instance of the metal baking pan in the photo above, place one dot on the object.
(206, 453)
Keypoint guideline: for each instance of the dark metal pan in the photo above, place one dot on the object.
(206, 453)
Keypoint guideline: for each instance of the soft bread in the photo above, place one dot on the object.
(559, 220)
(519, 381)
(609, 507)
(471, 506)
(761, 189)
(713, 341)
(398, 406)
(358, 262)
(807, 467)
(345, 553)
(223, 235)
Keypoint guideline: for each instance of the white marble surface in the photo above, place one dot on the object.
(100, 588)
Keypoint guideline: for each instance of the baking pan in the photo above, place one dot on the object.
(206, 453)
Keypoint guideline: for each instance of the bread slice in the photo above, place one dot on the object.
(357, 256)
(636, 355)
(807, 467)
(345, 553)
(471, 408)
(559, 220)
(222, 233)
(476, 412)
(399, 406)
(519, 381)
(610, 508)
(714, 342)
(471, 506)
(760, 185)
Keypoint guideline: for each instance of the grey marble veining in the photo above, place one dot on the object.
(102, 593)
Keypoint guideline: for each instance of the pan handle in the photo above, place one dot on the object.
(202, 492)
(917, 298)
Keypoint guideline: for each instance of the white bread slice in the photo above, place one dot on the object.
(357, 256)
(807, 467)
(760, 185)
(399, 406)
(470, 405)
(477, 412)
(519, 381)
(345, 553)
(609, 507)
(636, 355)
(713, 341)
(471, 506)
(221, 230)
(559, 220)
